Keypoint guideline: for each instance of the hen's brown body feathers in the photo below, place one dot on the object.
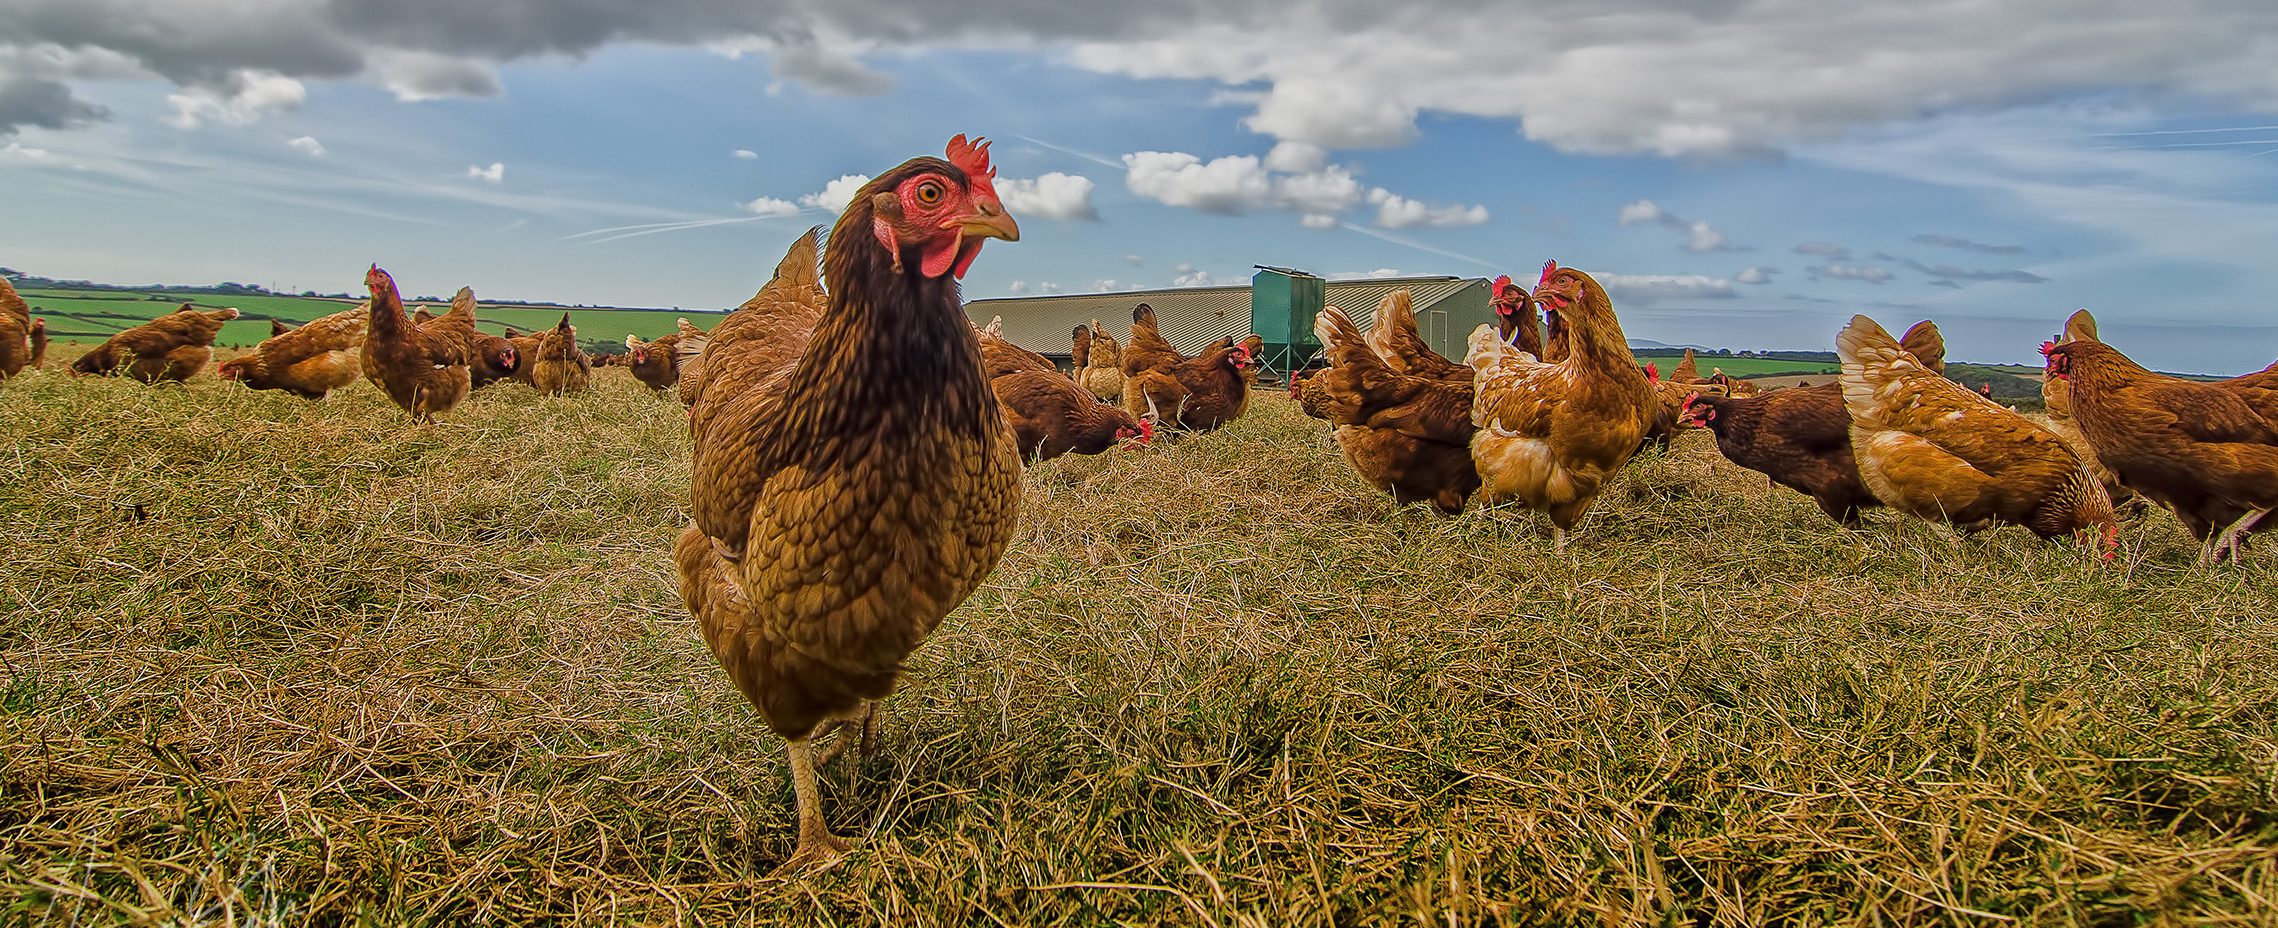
(308, 361)
(170, 347)
(15, 332)
(1101, 368)
(1197, 394)
(1930, 448)
(423, 371)
(1050, 414)
(1406, 433)
(561, 366)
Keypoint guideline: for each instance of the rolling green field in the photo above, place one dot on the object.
(1737, 367)
(274, 662)
(94, 315)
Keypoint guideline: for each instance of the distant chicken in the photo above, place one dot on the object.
(16, 347)
(1050, 414)
(1516, 318)
(656, 363)
(561, 367)
(490, 358)
(1687, 371)
(309, 360)
(2200, 449)
(1099, 362)
(1406, 433)
(39, 345)
(1801, 437)
(424, 371)
(1551, 434)
(854, 479)
(1196, 394)
(170, 347)
(1929, 447)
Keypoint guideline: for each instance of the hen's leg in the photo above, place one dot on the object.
(817, 846)
(2228, 541)
(845, 731)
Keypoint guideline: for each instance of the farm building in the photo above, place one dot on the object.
(1279, 304)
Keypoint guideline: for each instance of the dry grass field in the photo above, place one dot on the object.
(265, 661)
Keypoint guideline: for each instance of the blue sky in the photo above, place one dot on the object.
(1745, 177)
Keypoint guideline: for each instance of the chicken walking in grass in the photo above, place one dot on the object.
(1550, 434)
(854, 479)
(1933, 449)
(2201, 449)
(308, 361)
(1405, 431)
(423, 371)
(171, 347)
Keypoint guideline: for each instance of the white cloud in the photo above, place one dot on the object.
(1647, 289)
(1106, 284)
(1330, 190)
(835, 195)
(417, 76)
(1755, 275)
(1398, 212)
(1184, 267)
(494, 174)
(1297, 158)
(1868, 273)
(1194, 278)
(1228, 186)
(1047, 287)
(1052, 196)
(1700, 237)
(1381, 273)
(1018, 286)
(1641, 212)
(1703, 238)
(245, 96)
(26, 152)
(307, 145)
(745, 154)
(1135, 260)
(1318, 221)
(771, 207)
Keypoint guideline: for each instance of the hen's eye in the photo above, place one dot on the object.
(929, 193)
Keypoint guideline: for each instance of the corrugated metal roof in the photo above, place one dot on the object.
(1191, 317)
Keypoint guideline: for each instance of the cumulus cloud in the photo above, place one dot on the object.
(771, 207)
(1297, 158)
(1828, 250)
(835, 195)
(1398, 212)
(416, 76)
(744, 154)
(1949, 241)
(1866, 273)
(495, 174)
(1648, 289)
(1228, 186)
(1646, 76)
(245, 97)
(1194, 278)
(43, 103)
(1318, 221)
(1700, 237)
(307, 145)
(1018, 286)
(1052, 196)
(1755, 275)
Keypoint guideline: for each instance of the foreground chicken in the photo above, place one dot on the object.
(170, 347)
(1929, 447)
(1196, 394)
(423, 370)
(854, 479)
(1050, 414)
(1552, 433)
(561, 366)
(1406, 433)
(308, 361)
(1801, 437)
(2200, 449)
(1098, 362)
(15, 332)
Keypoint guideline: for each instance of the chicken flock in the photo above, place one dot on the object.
(838, 515)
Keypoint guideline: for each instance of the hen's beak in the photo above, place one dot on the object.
(990, 220)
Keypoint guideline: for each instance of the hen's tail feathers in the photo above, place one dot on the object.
(1395, 316)
(2080, 328)
(802, 265)
(690, 347)
(1871, 361)
(1927, 345)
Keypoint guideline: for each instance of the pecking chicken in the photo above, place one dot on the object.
(1406, 433)
(170, 347)
(1801, 437)
(1552, 433)
(1516, 319)
(2200, 449)
(1929, 447)
(1050, 414)
(560, 367)
(16, 347)
(308, 361)
(423, 371)
(1197, 394)
(1100, 370)
(854, 479)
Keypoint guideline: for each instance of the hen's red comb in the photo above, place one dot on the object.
(972, 157)
(2047, 347)
(1548, 268)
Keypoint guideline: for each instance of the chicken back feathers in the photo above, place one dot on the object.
(170, 347)
(1930, 448)
(308, 361)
